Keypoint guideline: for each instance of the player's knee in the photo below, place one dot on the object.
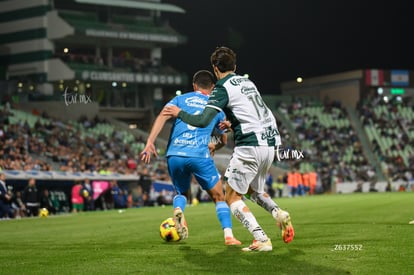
(217, 196)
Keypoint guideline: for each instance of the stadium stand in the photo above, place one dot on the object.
(329, 141)
(390, 129)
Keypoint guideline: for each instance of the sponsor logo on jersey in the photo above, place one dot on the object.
(238, 80)
(178, 141)
(196, 101)
(187, 135)
(269, 133)
(248, 90)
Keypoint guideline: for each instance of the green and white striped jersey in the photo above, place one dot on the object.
(252, 121)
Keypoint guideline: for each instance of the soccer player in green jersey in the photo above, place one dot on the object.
(256, 137)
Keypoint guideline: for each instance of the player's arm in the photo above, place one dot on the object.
(222, 143)
(216, 102)
(155, 131)
(214, 146)
(200, 120)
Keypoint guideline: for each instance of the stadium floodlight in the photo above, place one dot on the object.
(114, 84)
(380, 90)
(399, 98)
(299, 79)
(385, 98)
(178, 92)
(20, 85)
(65, 50)
(124, 84)
(246, 75)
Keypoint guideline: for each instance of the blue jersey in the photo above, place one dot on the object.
(186, 140)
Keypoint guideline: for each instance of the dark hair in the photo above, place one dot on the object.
(204, 79)
(224, 59)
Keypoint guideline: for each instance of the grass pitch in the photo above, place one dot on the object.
(335, 234)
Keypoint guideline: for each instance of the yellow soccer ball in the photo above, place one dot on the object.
(85, 193)
(43, 213)
(168, 232)
(195, 202)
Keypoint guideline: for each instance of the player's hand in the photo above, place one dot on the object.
(147, 152)
(171, 110)
(225, 125)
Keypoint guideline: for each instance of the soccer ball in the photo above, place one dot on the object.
(195, 202)
(85, 193)
(168, 232)
(43, 213)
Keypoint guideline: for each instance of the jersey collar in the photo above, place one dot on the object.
(200, 92)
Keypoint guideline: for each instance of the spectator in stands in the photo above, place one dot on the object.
(5, 199)
(31, 198)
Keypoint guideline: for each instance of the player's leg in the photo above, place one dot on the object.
(282, 217)
(242, 212)
(241, 171)
(181, 178)
(258, 195)
(208, 177)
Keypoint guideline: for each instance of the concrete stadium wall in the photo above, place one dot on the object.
(347, 93)
(61, 110)
(350, 187)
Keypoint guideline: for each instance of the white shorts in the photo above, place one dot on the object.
(248, 167)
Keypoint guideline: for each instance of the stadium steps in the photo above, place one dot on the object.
(366, 144)
(286, 122)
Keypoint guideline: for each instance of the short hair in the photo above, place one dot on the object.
(224, 59)
(204, 79)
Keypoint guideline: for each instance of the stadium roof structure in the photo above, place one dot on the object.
(135, 4)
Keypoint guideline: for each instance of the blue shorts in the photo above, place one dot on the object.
(181, 170)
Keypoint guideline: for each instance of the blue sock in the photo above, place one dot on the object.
(180, 201)
(223, 214)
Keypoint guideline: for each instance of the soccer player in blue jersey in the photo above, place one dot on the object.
(256, 136)
(188, 154)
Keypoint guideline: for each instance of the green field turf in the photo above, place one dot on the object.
(327, 228)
